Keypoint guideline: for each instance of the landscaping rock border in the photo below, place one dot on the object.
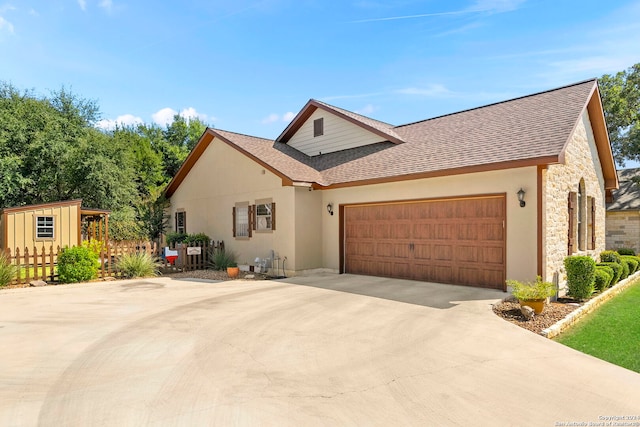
(589, 306)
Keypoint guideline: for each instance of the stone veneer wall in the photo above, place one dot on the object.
(581, 162)
(623, 230)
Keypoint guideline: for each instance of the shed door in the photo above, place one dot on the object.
(457, 241)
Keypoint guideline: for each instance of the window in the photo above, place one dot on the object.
(181, 222)
(591, 223)
(241, 217)
(265, 219)
(45, 226)
(318, 127)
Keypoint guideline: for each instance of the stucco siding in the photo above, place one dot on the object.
(581, 162)
(339, 134)
(521, 229)
(623, 230)
(309, 212)
(223, 177)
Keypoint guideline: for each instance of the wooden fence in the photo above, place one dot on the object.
(41, 264)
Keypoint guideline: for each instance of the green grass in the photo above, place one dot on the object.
(23, 271)
(611, 332)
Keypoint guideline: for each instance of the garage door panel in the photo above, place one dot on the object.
(422, 251)
(459, 241)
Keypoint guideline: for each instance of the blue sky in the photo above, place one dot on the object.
(249, 66)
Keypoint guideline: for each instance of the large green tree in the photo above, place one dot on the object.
(621, 102)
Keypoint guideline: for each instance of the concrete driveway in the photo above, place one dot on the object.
(324, 350)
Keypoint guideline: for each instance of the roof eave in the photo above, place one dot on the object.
(512, 164)
(312, 106)
(593, 105)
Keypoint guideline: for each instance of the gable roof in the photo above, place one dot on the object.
(627, 197)
(526, 131)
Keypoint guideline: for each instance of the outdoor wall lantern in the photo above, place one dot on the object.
(521, 198)
(330, 208)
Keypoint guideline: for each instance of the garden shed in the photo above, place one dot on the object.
(64, 223)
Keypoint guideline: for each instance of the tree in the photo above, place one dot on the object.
(621, 103)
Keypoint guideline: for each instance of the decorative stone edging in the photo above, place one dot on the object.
(589, 306)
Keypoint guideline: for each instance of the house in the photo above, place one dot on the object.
(503, 191)
(51, 224)
(623, 212)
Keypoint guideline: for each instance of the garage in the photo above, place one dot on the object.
(459, 241)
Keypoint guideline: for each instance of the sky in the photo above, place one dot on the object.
(249, 66)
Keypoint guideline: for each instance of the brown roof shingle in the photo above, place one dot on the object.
(530, 130)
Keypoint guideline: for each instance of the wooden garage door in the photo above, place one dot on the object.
(457, 241)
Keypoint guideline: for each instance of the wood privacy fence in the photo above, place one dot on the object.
(40, 264)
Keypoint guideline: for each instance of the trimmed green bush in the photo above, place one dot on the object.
(626, 251)
(625, 269)
(580, 276)
(602, 280)
(7, 270)
(632, 261)
(198, 238)
(617, 271)
(173, 238)
(77, 264)
(137, 264)
(220, 259)
(609, 272)
(610, 256)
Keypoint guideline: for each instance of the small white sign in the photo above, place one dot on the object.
(194, 250)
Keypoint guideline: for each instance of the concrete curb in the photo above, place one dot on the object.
(589, 306)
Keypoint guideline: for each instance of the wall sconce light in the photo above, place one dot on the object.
(521, 198)
(330, 208)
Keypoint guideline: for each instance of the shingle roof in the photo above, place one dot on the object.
(530, 130)
(627, 196)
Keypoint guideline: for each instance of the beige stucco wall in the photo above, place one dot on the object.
(581, 162)
(520, 224)
(223, 177)
(623, 230)
(21, 228)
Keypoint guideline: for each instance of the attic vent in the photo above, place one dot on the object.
(318, 127)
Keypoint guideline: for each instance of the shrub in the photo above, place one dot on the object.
(626, 251)
(602, 279)
(625, 269)
(580, 276)
(527, 291)
(220, 259)
(173, 238)
(610, 256)
(632, 261)
(608, 271)
(198, 238)
(77, 264)
(617, 271)
(7, 270)
(137, 264)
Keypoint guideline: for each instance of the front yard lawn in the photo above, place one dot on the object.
(612, 332)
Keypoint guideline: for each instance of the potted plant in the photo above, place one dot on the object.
(532, 294)
(232, 270)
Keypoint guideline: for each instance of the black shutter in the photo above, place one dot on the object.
(273, 216)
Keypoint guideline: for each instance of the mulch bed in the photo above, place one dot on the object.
(553, 312)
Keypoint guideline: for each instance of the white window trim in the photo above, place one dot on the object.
(246, 235)
(52, 227)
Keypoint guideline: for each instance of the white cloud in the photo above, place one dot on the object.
(6, 25)
(124, 120)
(366, 110)
(164, 116)
(431, 90)
(273, 117)
(105, 4)
(495, 6)
(82, 4)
